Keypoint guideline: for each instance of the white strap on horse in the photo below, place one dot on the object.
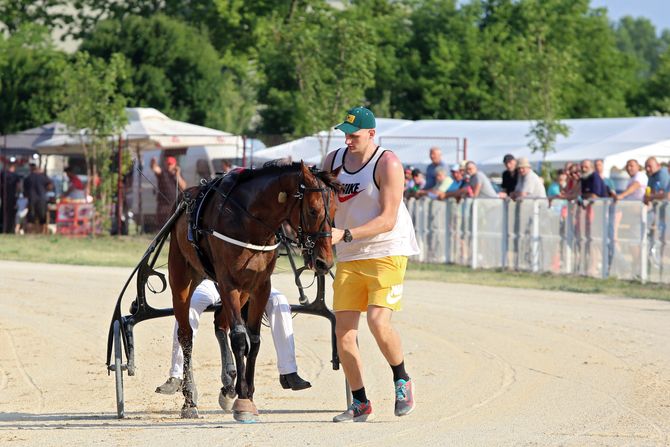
(244, 244)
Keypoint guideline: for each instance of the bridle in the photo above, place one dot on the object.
(306, 239)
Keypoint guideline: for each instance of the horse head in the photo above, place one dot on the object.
(315, 217)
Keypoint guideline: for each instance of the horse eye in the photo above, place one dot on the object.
(314, 212)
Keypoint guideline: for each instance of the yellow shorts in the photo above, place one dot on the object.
(376, 282)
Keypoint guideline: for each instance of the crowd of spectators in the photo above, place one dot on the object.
(25, 199)
(580, 181)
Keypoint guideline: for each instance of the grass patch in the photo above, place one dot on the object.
(542, 281)
(126, 251)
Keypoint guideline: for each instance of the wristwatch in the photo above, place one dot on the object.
(347, 236)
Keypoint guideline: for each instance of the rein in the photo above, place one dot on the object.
(306, 240)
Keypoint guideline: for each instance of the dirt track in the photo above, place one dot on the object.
(492, 367)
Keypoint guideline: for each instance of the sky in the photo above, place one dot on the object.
(658, 11)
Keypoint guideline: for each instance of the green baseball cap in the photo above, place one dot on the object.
(357, 118)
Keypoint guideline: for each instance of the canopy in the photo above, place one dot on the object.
(146, 128)
(489, 141)
(310, 149)
(25, 142)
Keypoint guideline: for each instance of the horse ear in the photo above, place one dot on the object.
(336, 171)
(305, 170)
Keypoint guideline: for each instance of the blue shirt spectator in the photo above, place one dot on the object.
(436, 161)
(659, 181)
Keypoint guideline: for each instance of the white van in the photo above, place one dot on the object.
(196, 162)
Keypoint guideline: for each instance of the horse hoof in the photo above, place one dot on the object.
(189, 412)
(244, 410)
(245, 417)
(226, 399)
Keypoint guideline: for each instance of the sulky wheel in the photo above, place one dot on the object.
(118, 369)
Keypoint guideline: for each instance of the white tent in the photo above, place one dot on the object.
(147, 128)
(489, 141)
(310, 149)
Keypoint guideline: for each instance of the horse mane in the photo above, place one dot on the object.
(283, 165)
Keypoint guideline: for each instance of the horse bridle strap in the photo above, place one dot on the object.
(243, 244)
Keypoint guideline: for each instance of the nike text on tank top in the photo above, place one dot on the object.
(359, 203)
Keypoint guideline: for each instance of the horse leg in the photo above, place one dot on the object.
(244, 409)
(255, 338)
(181, 285)
(254, 317)
(190, 408)
(228, 372)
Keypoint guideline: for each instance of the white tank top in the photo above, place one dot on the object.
(359, 203)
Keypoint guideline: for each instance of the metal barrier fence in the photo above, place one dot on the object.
(598, 238)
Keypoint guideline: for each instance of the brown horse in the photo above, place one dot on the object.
(238, 222)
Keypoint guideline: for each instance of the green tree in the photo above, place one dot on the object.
(15, 14)
(658, 87)
(637, 37)
(392, 29)
(314, 70)
(176, 70)
(94, 105)
(31, 79)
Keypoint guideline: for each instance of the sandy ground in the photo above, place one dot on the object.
(491, 366)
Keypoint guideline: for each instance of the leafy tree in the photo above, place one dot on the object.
(231, 26)
(15, 14)
(637, 37)
(176, 70)
(313, 71)
(31, 79)
(93, 103)
(658, 88)
(392, 30)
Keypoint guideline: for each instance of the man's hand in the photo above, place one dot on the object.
(336, 235)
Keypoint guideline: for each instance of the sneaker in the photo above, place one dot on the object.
(404, 397)
(171, 386)
(357, 412)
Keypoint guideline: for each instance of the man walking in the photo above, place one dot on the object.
(375, 235)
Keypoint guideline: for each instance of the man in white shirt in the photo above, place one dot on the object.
(529, 185)
(636, 185)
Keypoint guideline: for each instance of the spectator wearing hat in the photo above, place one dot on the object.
(435, 162)
(458, 182)
(529, 185)
(170, 182)
(510, 176)
(443, 181)
(418, 182)
(75, 190)
(479, 185)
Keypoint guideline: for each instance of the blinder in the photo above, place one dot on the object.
(307, 240)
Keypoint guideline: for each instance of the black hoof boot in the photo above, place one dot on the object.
(293, 381)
